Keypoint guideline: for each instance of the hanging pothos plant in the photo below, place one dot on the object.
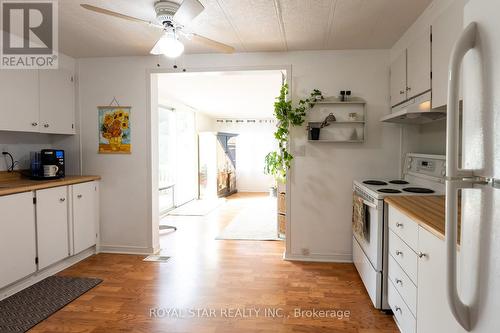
(278, 162)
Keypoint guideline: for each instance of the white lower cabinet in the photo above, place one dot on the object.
(85, 215)
(417, 290)
(17, 237)
(434, 313)
(52, 225)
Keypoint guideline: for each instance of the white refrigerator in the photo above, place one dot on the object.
(473, 168)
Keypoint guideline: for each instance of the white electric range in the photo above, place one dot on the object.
(422, 175)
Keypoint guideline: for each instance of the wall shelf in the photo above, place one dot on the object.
(336, 100)
(346, 120)
(337, 141)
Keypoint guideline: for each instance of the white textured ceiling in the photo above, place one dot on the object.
(247, 25)
(248, 94)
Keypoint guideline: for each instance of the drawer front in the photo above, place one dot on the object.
(403, 255)
(403, 284)
(405, 320)
(404, 227)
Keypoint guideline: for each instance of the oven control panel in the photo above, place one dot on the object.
(429, 166)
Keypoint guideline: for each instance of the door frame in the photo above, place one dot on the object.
(152, 231)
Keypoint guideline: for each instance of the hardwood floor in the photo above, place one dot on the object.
(220, 276)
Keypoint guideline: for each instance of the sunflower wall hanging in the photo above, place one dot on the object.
(114, 129)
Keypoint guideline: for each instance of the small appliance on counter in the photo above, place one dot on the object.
(47, 164)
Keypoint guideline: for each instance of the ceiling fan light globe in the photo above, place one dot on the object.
(168, 46)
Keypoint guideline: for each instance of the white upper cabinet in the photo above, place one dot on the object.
(85, 199)
(445, 31)
(17, 237)
(52, 225)
(19, 95)
(419, 64)
(398, 79)
(57, 101)
(37, 101)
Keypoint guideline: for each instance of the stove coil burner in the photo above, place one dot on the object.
(374, 182)
(399, 182)
(389, 190)
(418, 190)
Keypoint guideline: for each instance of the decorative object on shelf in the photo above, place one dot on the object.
(353, 116)
(344, 95)
(114, 129)
(354, 135)
(278, 162)
(315, 131)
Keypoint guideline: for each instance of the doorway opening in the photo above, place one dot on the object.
(214, 130)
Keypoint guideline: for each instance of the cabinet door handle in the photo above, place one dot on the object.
(408, 89)
(79, 196)
(397, 308)
(401, 92)
(399, 281)
(421, 255)
(34, 124)
(46, 125)
(398, 252)
(62, 199)
(399, 225)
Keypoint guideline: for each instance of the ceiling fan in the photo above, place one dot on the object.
(172, 18)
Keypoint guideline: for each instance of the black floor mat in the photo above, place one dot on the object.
(25, 309)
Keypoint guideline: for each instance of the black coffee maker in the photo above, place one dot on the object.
(47, 164)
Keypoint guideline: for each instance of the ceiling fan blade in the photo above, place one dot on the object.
(119, 15)
(188, 10)
(211, 43)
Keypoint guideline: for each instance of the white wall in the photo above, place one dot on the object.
(253, 143)
(321, 176)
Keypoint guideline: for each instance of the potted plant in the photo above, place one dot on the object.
(278, 162)
(273, 167)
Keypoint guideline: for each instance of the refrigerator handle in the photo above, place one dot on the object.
(465, 42)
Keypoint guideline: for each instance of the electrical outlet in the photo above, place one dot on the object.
(305, 251)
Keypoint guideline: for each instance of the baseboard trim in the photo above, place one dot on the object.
(340, 258)
(118, 249)
(44, 273)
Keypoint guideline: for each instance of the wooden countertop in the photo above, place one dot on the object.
(427, 211)
(14, 182)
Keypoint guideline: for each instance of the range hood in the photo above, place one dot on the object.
(415, 111)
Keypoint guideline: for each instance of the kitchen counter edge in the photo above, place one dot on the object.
(26, 185)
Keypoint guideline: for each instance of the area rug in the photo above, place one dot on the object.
(255, 222)
(197, 207)
(25, 309)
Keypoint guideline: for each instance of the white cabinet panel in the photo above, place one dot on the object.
(419, 64)
(403, 255)
(433, 312)
(57, 101)
(398, 79)
(85, 215)
(404, 227)
(445, 31)
(52, 225)
(19, 95)
(404, 318)
(17, 237)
